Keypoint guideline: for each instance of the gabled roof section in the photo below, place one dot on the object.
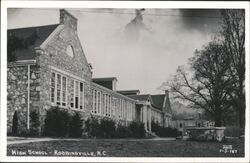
(104, 79)
(158, 101)
(129, 92)
(22, 41)
(140, 97)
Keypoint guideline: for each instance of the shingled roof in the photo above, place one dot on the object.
(158, 101)
(22, 41)
(140, 97)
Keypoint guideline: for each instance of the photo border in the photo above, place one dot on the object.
(114, 4)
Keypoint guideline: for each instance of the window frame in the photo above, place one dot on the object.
(55, 92)
(67, 81)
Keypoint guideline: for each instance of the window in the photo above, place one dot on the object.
(70, 51)
(52, 87)
(106, 106)
(81, 95)
(94, 110)
(72, 94)
(120, 108)
(103, 104)
(64, 86)
(109, 105)
(98, 102)
(58, 90)
(123, 109)
(76, 94)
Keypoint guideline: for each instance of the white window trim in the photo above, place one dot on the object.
(55, 91)
(68, 81)
(65, 73)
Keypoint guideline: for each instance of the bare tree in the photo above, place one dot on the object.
(209, 85)
(233, 33)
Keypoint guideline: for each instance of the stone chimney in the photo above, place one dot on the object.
(68, 19)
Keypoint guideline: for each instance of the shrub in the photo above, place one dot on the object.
(107, 128)
(232, 131)
(137, 130)
(164, 131)
(75, 126)
(35, 123)
(57, 122)
(122, 131)
(92, 127)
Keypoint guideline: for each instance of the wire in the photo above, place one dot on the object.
(144, 14)
(149, 14)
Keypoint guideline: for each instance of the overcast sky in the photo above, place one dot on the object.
(161, 41)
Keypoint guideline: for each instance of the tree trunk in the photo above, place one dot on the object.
(218, 120)
(242, 116)
(241, 102)
(217, 123)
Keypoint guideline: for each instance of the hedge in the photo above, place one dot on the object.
(106, 128)
(60, 123)
(163, 131)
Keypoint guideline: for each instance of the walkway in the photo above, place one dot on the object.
(22, 140)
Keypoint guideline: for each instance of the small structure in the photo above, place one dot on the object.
(183, 124)
(206, 133)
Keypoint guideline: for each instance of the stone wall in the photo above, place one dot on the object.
(54, 54)
(17, 94)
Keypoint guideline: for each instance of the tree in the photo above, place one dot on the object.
(76, 126)
(209, 85)
(35, 123)
(233, 34)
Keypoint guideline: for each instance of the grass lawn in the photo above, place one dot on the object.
(130, 148)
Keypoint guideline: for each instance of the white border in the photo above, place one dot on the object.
(111, 4)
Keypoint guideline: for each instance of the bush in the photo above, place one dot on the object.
(92, 127)
(122, 131)
(232, 131)
(164, 131)
(103, 129)
(107, 128)
(35, 123)
(57, 122)
(76, 126)
(137, 130)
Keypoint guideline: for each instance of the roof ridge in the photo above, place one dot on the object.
(157, 94)
(141, 95)
(34, 26)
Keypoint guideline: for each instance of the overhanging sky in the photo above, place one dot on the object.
(169, 38)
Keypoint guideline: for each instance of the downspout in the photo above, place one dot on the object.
(28, 99)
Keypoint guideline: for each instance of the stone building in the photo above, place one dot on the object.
(47, 67)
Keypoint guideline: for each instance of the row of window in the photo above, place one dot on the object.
(105, 104)
(102, 102)
(59, 91)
